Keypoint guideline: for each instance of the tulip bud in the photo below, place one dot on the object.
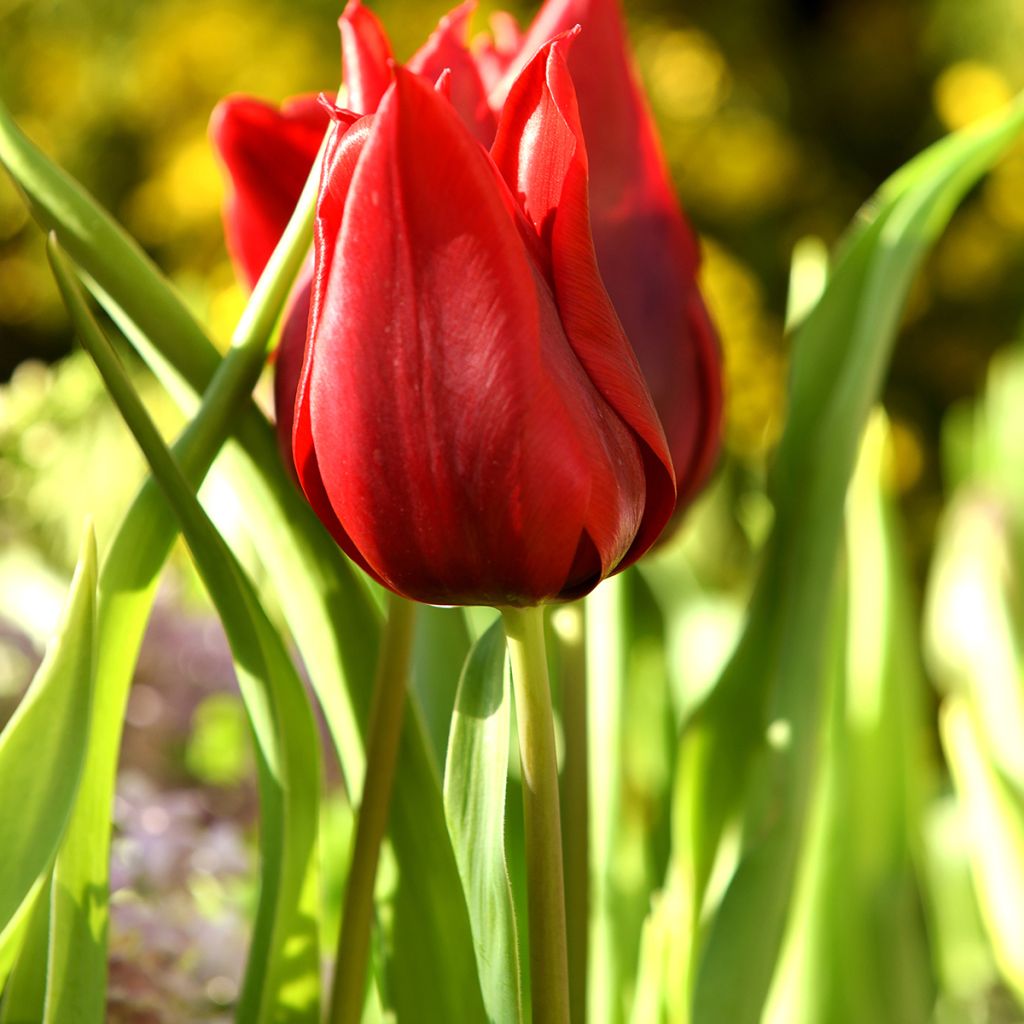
(471, 423)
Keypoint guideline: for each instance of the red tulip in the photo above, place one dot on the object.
(268, 153)
(647, 254)
(471, 422)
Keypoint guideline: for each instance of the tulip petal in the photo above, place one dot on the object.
(627, 165)
(446, 49)
(267, 153)
(540, 151)
(340, 160)
(365, 56)
(647, 253)
(452, 429)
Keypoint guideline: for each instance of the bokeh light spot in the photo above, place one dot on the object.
(967, 91)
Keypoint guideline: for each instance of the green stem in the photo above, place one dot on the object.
(549, 968)
(570, 625)
(389, 689)
(606, 613)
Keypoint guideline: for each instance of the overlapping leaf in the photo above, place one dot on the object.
(42, 749)
(840, 356)
(283, 969)
(474, 799)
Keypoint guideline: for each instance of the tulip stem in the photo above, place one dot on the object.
(549, 968)
(569, 623)
(386, 714)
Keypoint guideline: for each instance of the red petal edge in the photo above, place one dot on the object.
(540, 150)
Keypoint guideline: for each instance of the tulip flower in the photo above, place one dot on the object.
(471, 422)
(647, 254)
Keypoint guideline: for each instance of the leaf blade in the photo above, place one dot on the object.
(42, 748)
(841, 353)
(283, 974)
(474, 800)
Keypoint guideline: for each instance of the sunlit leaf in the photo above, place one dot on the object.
(855, 947)
(24, 997)
(840, 355)
(140, 548)
(442, 643)
(283, 970)
(474, 799)
(995, 829)
(606, 640)
(42, 749)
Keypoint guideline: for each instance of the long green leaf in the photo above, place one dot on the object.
(282, 976)
(24, 998)
(840, 356)
(856, 948)
(127, 587)
(42, 749)
(152, 315)
(474, 800)
(140, 548)
(995, 829)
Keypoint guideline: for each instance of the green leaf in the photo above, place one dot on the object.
(474, 800)
(995, 830)
(42, 749)
(632, 737)
(140, 548)
(884, 765)
(840, 355)
(325, 601)
(24, 998)
(283, 972)
(653, 962)
(127, 586)
(442, 645)
(856, 948)
(433, 939)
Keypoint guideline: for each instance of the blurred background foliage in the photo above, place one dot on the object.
(779, 118)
